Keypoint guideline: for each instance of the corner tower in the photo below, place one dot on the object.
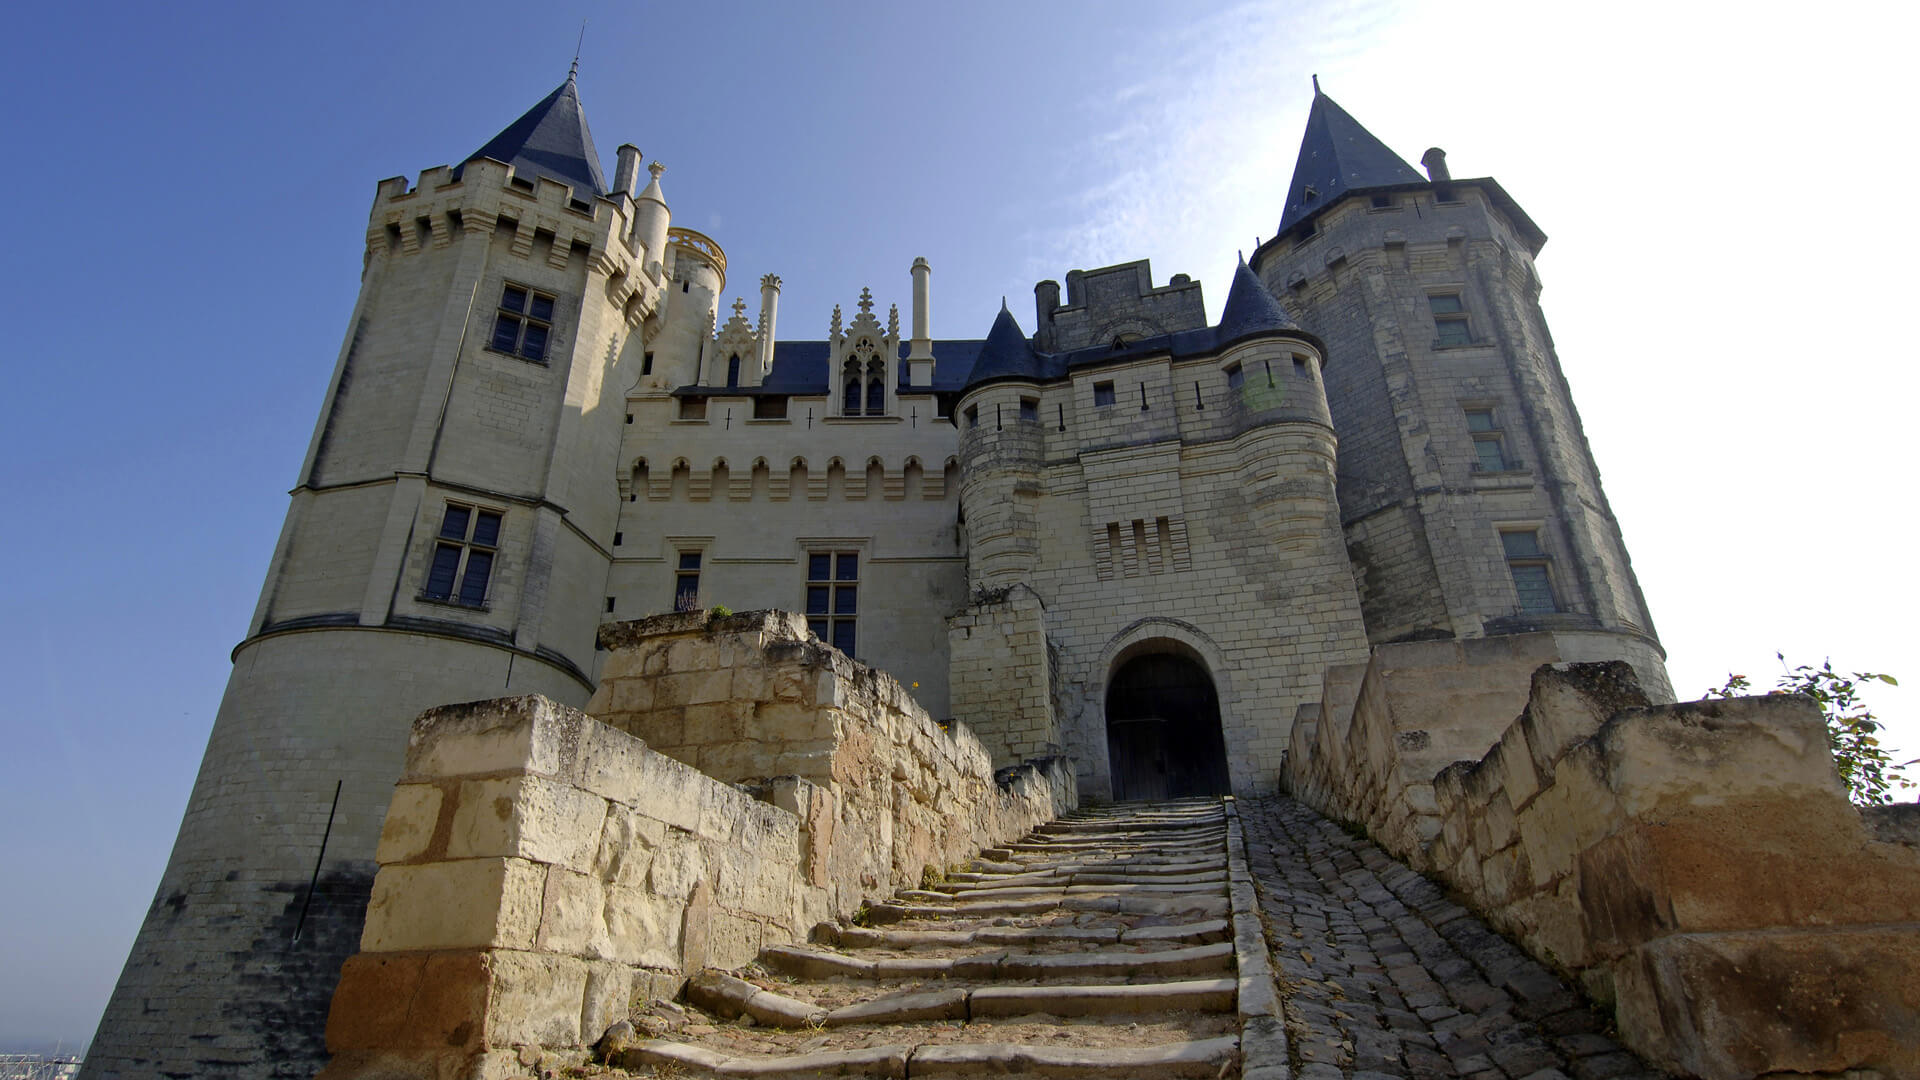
(448, 539)
(1469, 498)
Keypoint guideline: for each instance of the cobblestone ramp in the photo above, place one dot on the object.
(1099, 946)
(1380, 975)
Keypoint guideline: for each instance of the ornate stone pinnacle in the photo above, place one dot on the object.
(835, 332)
(656, 169)
(866, 301)
(893, 320)
(772, 280)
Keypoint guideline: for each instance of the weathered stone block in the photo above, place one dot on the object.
(732, 941)
(1731, 1005)
(410, 1001)
(527, 733)
(473, 903)
(412, 817)
(610, 764)
(678, 866)
(571, 915)
(627, 842)
(642, 928)
(536, 999)
(609, 992)
(529, 817)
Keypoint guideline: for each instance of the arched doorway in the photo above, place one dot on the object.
(1163, 729)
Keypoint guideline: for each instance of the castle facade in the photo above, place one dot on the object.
(1131, 537)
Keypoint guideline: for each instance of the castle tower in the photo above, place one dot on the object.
(448, 539)
(1158, 577)
(1469, 498)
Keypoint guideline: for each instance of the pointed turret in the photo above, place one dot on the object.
(1006, 354)
(1338, 157)
(551, 140)
(1251, 309)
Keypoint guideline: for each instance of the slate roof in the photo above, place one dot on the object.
(551, 140)
(1007, 354)
(1338, 157)
(800, 367)
(1251, 309)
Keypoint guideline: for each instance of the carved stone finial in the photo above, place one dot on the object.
(835, 331)
(866, 301)
(656, 169)
(893, 320)
(739, 307)
(770, 281)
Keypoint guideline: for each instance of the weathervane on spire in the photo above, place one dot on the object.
(575, 69)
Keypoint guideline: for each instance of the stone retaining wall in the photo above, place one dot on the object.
(540, 870)
(1695, 866)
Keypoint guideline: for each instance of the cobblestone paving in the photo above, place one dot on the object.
(1382, 976)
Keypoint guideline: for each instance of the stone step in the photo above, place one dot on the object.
(1206, 932)
(1208, 905)
(1130, 826)
(873, 1061)
(811, 963)
(1086, 874)
(1194, 995)
(1199, 1059)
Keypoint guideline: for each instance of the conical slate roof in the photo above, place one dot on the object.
(1007, 354)
(1251, 309)
(551, 140)
(1338, 156)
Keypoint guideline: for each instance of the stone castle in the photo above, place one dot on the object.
(1131, 541)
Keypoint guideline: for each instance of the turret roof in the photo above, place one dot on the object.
(1338, 156)
(551, 140)
(1007, 354)
(1251, 309)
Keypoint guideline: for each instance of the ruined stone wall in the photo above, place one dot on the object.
(1696, 866)
(753, 698)
(1001, 670)
(540, 869)
(1385, 728)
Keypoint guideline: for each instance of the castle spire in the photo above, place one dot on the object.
(1006, 354)
(1250, 308)
(1337, 157)
(551, 140)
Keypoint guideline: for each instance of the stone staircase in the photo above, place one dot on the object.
(1102, 944)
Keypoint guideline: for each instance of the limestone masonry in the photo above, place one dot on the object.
(1324, 544)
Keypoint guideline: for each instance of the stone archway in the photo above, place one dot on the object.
(1163, 726)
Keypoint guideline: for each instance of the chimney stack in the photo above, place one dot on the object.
(769, 311)
(920, 346)
(1435, 160)
(627, 171)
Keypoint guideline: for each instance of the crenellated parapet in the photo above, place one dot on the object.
(543, 219)
(892, 477)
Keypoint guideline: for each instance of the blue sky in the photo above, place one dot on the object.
(1726, 279)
